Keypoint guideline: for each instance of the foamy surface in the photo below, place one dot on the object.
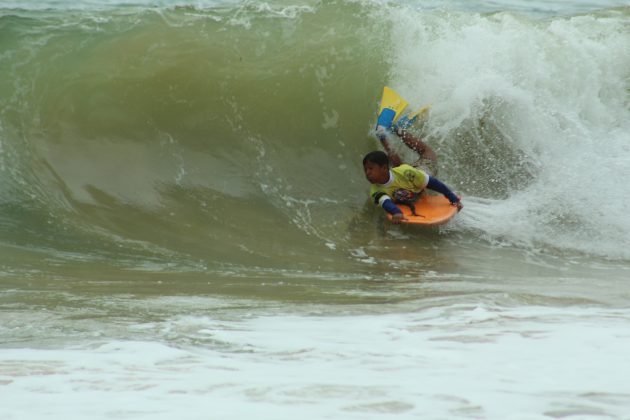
(461, 361)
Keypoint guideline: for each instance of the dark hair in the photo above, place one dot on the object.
(377, 157)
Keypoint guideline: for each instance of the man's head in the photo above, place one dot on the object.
(376, 167)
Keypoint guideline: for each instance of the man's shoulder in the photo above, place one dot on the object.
(405, 168)
(410, 173)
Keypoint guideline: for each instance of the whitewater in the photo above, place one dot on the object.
(185, 228)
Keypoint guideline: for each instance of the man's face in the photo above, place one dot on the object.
(376, 174)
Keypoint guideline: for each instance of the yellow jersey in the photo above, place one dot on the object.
(404, 177)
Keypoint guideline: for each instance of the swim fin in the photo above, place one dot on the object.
(408, 120)
(392, 106)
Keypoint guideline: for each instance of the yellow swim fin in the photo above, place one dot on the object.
(392, 101)
(421, 113)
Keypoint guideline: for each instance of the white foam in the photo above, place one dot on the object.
(463, 360)
(556, 95)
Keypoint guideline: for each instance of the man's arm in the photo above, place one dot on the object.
(390, 207)
(437, 185)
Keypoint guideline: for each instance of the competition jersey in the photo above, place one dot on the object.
(404, 177)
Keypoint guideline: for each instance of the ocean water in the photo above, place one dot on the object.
(185, 230)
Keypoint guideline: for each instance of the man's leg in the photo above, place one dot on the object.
(381, 134)
(418, 146)
(394, 159)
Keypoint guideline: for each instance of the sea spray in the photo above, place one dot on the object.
(531, 114)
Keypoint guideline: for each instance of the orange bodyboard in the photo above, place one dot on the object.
(430, 210)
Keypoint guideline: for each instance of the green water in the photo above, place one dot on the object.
(217, 150)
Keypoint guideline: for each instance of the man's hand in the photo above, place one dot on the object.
(398, 218)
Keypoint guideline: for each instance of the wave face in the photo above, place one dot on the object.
(229, 136)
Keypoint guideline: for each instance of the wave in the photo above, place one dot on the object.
(234, 134)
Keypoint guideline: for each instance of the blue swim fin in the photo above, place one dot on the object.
(386, 118)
